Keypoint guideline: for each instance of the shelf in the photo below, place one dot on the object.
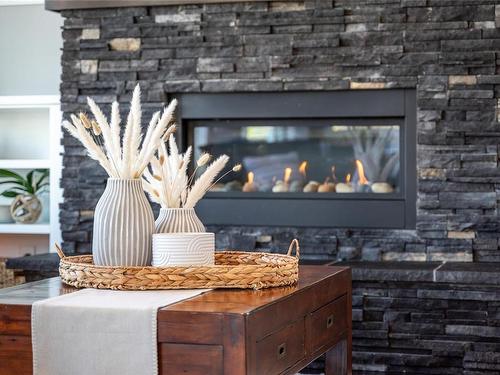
(24, 163)
(25, 228)
(28, 101)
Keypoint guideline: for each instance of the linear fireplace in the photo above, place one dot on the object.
(343, 158)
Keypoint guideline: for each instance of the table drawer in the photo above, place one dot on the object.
(280, 350)
(191, 359)
(326, 324)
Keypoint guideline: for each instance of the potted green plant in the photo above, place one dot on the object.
(26, 207)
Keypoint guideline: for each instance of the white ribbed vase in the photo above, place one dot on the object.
(123, 225)
(175, 220)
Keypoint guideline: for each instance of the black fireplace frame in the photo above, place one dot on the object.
(354, 210)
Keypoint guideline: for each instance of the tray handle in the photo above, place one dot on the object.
(294, 243)
(59, 251)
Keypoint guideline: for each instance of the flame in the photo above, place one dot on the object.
(348, 178)
(287, 175)
(361, 173)
(303, 168)
(250, 177)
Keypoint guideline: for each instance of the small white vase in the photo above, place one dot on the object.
(123, 225)
(175, 220)
(183, 249)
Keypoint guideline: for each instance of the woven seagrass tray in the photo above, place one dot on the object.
(232, 269)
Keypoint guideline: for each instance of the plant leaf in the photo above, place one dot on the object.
(40, 188)
(41, 181)
(29, 178)
(9, 194)
(21, 188)
(15, 182)
(8, 174)
(18, 189)
(20, 180)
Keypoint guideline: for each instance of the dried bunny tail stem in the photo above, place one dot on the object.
(115, 131)
(168, 177)
(151, 191)
(148, 176)
(127, 147)
(203, 183)
(235, 168)
(162, 151)
(174, 156)
(132, 136)
(156, 166)
(85, 120)
(95, 152)
(96, 129)
(158, 133)
(147, 138)
(184, 197)
(154, 187)
(186, 159)
(203, 159)
(175, 184)
(154, 144)
(78, 131)
(165, 173)
(104, 127)
(135, 108)
(71, 129)
(185, 181)
(181, 180)
(168, 113)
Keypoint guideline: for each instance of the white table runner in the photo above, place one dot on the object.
(99, 332)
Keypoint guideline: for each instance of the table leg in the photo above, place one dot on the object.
(336, 359)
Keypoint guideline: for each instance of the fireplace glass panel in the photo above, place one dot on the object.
(304, 156)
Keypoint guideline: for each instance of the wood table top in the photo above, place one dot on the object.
(235, 301)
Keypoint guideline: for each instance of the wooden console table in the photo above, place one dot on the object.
(235, 332)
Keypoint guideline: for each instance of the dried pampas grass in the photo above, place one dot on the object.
(205, 181)
(167, 181)
(125, 158)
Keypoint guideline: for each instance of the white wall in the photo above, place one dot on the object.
(30, 50)
(30, 54)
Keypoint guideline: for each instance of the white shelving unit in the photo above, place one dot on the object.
(25, 164)
(25, 228)
(30, 135)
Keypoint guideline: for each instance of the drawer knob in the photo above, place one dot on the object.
(329, 321)
(281, 351)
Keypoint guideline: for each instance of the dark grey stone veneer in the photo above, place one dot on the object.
(447, 50)
(426, 318)
(446, 321)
